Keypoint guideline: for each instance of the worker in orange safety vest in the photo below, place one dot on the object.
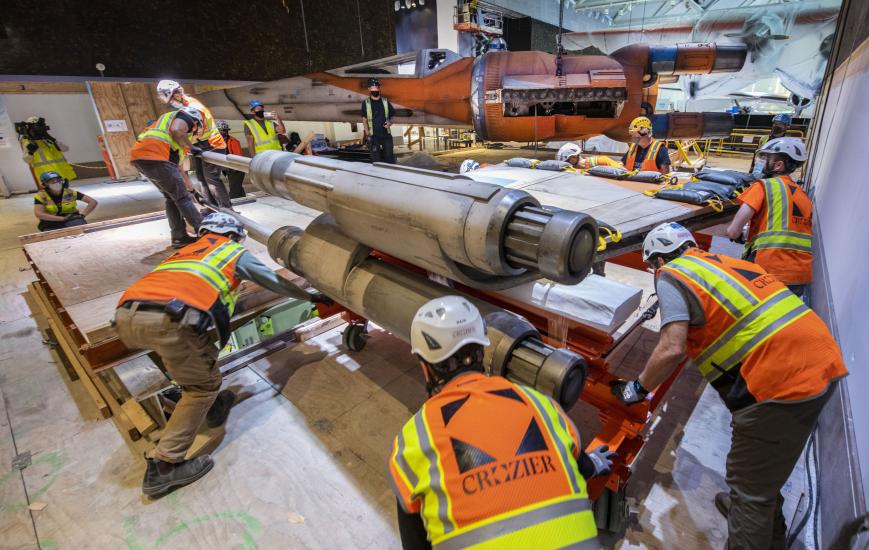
(769, 356)
(572, 153)
(208, 138)
(486, 461)
(779, 214)
(645, 153)
(171, 311)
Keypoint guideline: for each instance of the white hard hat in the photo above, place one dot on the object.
(222, 224)
(468, 165)
(195, 114)
(568, 150)
(443, 326)
(790, 146)
(666, 238)
(165, 89)
(32, 120)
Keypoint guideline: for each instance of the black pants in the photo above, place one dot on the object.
(235, 179)
(179, 204)
(381, 149)
(209, 176)
(72, 221)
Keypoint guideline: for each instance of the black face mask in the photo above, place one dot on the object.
(375, 95)
(259, 114)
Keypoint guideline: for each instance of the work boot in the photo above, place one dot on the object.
(219, 410)
(183, 241)
(722, 503)
(161, 477)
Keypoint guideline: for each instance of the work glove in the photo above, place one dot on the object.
(602, 459)
(629, 391)
(196, 150)
(317, 297)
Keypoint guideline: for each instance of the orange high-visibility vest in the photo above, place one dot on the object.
(489, 461)
(780, 234)
(601, 160)
(755, 330)
(201, 275)
(156, 141)
(210, 131)
(648, 164)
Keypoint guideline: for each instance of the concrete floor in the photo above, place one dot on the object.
(301, 462)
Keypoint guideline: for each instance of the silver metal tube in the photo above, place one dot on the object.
(255, 230)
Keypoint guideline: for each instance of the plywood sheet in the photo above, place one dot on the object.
(109, 100)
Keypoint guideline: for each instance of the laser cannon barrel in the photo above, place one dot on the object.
(476, 233)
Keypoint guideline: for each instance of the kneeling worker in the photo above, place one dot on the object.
(170, 311)
(486, 461)
(56, 205)
(645, 154)
(768, 355)
(780, 215)
(572, 153)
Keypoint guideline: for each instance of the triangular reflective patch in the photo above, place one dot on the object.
(795, 210)
(212, 240)
(431, 342)
(533, 440)
(714, 257)
(451, 408)
(750, 275)
(509, 393)
(200, 251)
(469, 457)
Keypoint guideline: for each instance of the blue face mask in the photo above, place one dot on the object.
(759, 168)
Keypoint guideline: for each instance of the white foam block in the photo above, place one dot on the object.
(598, 302)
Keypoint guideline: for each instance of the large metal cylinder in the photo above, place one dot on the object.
(390, 296)
(476, 233)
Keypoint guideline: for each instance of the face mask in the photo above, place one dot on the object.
(55, 188)
(759, 169)
(375, 94)
(259, 114)
(176, 104)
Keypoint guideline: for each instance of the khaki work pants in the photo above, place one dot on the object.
(767, 441)
(190, 358)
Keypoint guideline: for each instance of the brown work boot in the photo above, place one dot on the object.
(162, 477)
(722, 503)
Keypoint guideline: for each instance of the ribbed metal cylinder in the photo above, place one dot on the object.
(522, 238)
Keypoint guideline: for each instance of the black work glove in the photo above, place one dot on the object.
(318, 297)
(73, 216)
(629, 391)
(600, 461)
(196, 150)
(32, 148)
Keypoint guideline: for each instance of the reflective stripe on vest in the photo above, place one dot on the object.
(68, 203)
(552, 524)
(651, 156)
(754, 322)
(49, 158)
(369, 114)
(160, 131)
(778, 234)
(264, 139)
(209, 270)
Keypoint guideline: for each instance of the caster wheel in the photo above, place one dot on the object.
(355, 336)
(611, 511)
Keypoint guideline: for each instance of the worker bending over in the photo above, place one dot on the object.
(644, 153)
(572, 154)
(262, 133)
(780, 216)
(56, 205)
(170, 311)
(486, 461)
(157, 154)
(377, 113)
(207, 138)
(768, 355)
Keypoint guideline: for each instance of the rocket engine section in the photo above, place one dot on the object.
(482, 235)
(515, 96)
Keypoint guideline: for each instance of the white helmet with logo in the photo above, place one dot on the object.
(222, 224)
(790, 146)
(568, 150)
(166, 88)
(666, 238)
(468, 165)
(443, 326)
